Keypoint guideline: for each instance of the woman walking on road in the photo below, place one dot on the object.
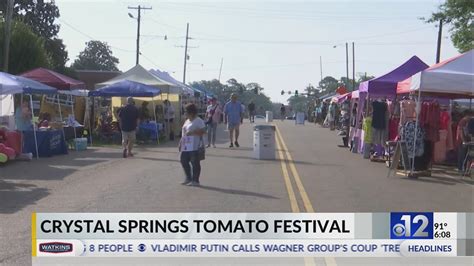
(192, 132)
(213, 115)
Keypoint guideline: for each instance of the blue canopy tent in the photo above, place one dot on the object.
(11, 84)
(128, 88)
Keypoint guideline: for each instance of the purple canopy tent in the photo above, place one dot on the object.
(386, 85)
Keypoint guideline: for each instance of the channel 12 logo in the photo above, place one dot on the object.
(411, 225)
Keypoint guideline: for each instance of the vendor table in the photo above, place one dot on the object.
(50, 142)
(149, 130)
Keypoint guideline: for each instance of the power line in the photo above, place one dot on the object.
(90, 37)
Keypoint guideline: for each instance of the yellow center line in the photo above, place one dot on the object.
(329, 261)
(304, 196)
(286, 176)
(33, 234)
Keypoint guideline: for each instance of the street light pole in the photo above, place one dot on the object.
(353, 67)
(139, 8)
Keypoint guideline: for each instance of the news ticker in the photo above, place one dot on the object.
(396, 234)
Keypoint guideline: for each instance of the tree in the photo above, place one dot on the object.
(41, 17)
(96, 56)
(27, 50)
(223, 92)
(328, 84)
(458, 14)
(310, 90)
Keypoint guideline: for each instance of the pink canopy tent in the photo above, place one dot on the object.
(53, 79)
(343, 97)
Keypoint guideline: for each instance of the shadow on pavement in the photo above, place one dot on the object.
(237, 192)
(158, 159)
(16, 196)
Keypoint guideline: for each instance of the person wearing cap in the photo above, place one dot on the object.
(233, 118)
(213, 115)
(128, 122)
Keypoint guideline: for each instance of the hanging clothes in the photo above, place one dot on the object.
(393, 128)
(367, 128)
(445, 124)
(407, 111)
(407, 134)
(430, 120)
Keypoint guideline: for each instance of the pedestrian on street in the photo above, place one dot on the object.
(282, 112)
(168, 112)
(213, 115)
(251, 108)
(192, 132)
(233, 118)
(128, 121)
(463, 136)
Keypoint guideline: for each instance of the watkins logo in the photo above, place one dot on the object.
(55, 247)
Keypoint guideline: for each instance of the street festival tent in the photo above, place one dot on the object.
(452, 78)
(168, 78)
(386, 85)
(128, 88)
(63, 83)
(11, 84)
(141, 75)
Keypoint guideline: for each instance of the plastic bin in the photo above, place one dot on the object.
(80, 144)
(264, 142)
(268, 116)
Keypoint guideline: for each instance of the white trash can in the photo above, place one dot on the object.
(299, 118)
(269, 116)
(264, 142)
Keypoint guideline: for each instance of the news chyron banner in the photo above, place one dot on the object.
(407, 234)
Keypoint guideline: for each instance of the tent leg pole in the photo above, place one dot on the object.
(34, 128)
(74, 117)
(156, 122)
(417, 110)
(61, 117)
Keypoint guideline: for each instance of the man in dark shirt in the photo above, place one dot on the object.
(128, 122)
(251, 107)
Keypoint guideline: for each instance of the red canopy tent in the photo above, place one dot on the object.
(53, 79)
(58, 81)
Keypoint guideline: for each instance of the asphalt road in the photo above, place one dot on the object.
(318, 177)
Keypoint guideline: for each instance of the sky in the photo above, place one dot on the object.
(277, 44)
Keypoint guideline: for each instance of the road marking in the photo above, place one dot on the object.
(329, 261)
(286, 176)
(33, 234)
(304, 196)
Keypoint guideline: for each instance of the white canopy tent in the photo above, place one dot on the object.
(141, 75)
(452, 76)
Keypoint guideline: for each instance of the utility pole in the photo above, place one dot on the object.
(139, 8)
(440, 33)
(321, 66)
(186, 53)
(220, 69)
(8, 26)
(353, 67)
(347, 64)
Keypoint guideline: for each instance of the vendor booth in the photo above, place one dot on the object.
(169, 91)
(127, 88)
(32, 139)
(375, 121)
(70, 102)
(432, 116)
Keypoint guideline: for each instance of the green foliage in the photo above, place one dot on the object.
(41, 17)
(245, 92)
(458, 14)
(27, 50)
(96, 56)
